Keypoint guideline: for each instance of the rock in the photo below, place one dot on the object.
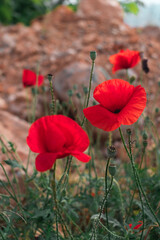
(3, 104)
(76, 74)
(15, 130)
(104, 10)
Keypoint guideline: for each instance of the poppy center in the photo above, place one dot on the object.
(117, 111)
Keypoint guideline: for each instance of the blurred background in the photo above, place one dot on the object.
(58, 37)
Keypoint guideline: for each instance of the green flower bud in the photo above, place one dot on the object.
(145, 136)
(78, 95)
(50, 77)
(129, 131)
(111, 151)
(70, 93)
(157, 110)
(93, 55)
(112, 169)
(85, 90)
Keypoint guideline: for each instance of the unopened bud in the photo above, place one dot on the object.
(157, 110)
(111, 151)
(50, 77)
(70, 93)
(93, 55)
(85, 90)
(78, 95)
(129, 131)
(112, 169)
(145, 136)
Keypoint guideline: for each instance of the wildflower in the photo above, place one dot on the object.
(29, 78)
(124, 59)
(137, 226)
(120, 104)
(54, 137)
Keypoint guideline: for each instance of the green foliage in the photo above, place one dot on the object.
(14, 11)
(130, 7)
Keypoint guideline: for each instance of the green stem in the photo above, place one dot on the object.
(121, 199)
(96, 224)
(55, 199)
(106, 187)
(89, 91)
(35, 96)
(64, 174)
(124, 144)
(111, 233)
(52, 94)
(135, 175)
(138, 182)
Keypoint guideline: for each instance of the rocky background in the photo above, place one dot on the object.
(60, 43)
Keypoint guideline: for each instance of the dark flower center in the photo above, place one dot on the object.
(117, 111)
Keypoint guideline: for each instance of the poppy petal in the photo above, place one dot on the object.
(134, 108)
(75, 137)
(101, 118)
(138, 225)
(81, 156)
(45, 161)
(113, 94)
(29, 78)
(124, 59)
(45, 136)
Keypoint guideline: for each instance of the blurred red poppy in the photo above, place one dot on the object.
(120, 104)
(137, 226)
(29, 78)
(54, 137)
(124, 60)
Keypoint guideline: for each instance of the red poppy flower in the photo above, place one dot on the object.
(137, 226)
(124, 60)
(56, 136)
(120, 104)
(29, 78)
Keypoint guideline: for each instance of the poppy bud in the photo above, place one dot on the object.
(93, 55)
(75, 86)
(157, 110)
(129, 131)
(111, 151)
(70, 93)
(85, 90)
(78, 95)
(145, 136)
(50, 77)
(145, 67)
(112, 169)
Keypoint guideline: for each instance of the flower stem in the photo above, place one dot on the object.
(35, 96)
(52, 94)
(55, 199)
(107, 190)
(89, 91)
(137, 179)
